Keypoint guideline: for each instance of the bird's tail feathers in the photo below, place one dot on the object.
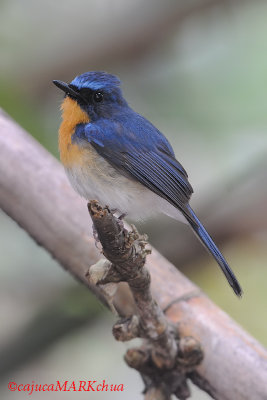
(205, 238)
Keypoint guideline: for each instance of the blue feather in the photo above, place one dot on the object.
(96, 80)
(137, 150)
(205, 238)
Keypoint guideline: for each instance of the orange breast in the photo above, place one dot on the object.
(72, 114)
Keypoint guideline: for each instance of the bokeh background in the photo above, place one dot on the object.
(198, 70)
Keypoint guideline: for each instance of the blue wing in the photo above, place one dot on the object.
(137, 149)
(141, 152)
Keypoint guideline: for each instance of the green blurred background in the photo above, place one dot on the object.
(198, 70)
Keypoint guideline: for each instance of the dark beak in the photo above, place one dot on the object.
(67, 89)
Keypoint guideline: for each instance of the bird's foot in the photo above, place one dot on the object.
(117, 211)
(122, 216)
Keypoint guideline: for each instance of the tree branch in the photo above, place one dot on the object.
(163, 360)
(35, 193)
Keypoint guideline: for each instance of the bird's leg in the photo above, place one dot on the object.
(120, 217)
(116, 211)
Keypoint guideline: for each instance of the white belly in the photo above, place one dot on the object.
(95, 179)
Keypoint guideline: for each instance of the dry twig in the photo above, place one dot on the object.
(164, 360)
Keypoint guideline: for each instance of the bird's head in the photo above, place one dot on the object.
(97, 93)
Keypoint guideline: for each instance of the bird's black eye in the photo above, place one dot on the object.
(98, 97)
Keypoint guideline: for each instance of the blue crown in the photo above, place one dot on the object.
(96, 80)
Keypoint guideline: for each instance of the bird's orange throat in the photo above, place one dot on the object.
(72, 114)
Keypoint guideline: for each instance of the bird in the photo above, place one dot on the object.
(116, 156)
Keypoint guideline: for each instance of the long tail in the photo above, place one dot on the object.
(205, 238)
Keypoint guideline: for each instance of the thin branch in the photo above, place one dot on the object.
(163, 360)
(34, 192)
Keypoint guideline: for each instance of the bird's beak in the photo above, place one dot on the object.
(67, 89)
